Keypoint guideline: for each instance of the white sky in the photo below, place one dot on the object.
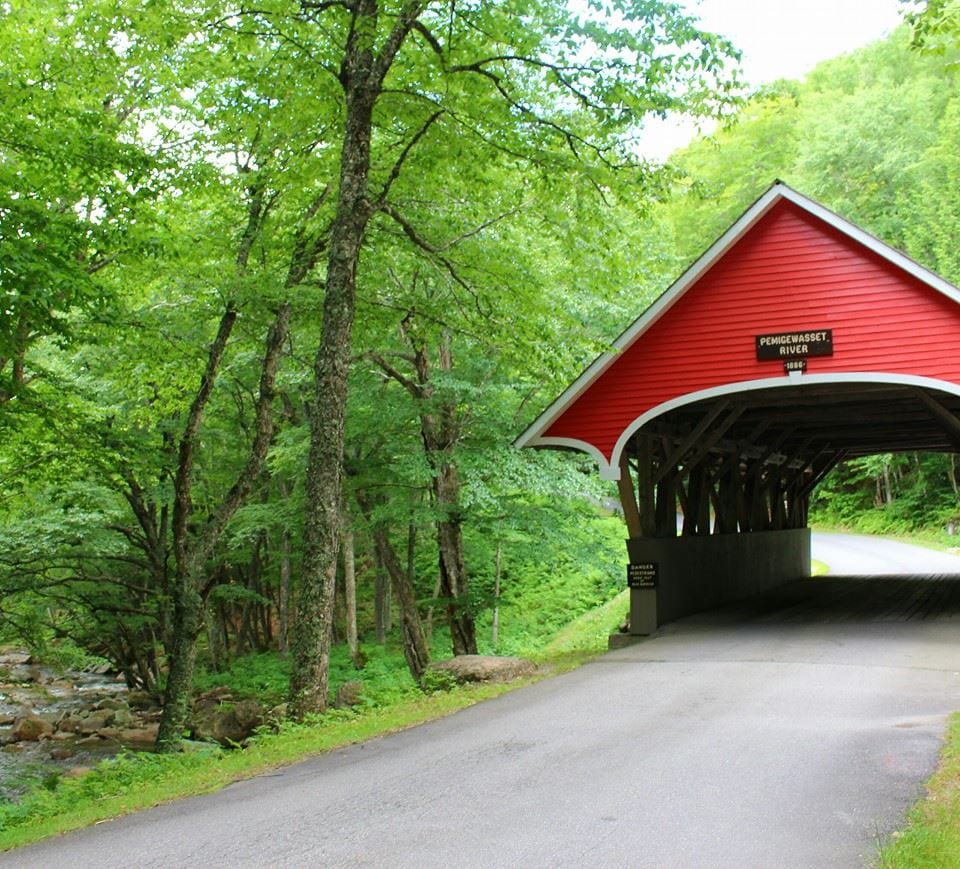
(779, 39)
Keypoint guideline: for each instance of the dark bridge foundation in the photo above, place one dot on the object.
(699, 573)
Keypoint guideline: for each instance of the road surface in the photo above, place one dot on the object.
(792, 733)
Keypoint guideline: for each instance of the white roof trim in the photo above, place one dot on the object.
(532, 435)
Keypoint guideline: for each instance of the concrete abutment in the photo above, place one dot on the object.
(697, 573)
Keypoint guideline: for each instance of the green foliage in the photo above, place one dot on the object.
(564, 560)
(889, 494)
(118, 776)
(437, 680)
(262, 677)
(589, 633)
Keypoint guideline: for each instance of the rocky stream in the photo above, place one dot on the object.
(64, 722)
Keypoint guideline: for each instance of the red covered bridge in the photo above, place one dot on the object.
(796, 341)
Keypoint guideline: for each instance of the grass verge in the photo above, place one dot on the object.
(932, 838)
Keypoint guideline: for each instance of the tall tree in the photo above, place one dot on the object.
(71, 174)
(551, 88)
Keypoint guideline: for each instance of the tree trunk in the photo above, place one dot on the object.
(435, 597)
(350, 595)
(381, 601)
(495, 626)
(453, 572)
(182, 657)
(415, 647)
(283, 604)
(191, 559)
(440, 431)
(361, 74)
(326, 413)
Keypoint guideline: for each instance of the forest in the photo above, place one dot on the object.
(280, 286)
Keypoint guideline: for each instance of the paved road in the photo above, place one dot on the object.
(792, 734)
(859, 554)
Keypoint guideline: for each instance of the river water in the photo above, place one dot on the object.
(51, 695)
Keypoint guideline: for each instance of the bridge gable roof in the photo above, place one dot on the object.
(787, 264)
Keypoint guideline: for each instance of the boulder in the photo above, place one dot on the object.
(69, 724)
(86, 723)
(349, 694)
(123, 717)
(229, 724)
(15, 658)
(141, 700)
(93, 722)
(61, 754)
(31, 728)
(485, 668)
(139, 735)
(278, 714)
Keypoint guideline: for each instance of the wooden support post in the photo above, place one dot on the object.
(628, 498)
(691, 509)
(948, 422)
(703, 503)
(759, 511)
(745, 497)
(645, 487)
(709, 441)
(666, 507)
(696, 516)
(831, 461)
(729, 485)
(778, 511)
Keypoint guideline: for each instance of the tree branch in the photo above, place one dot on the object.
(412, 387)
(182, 505)
(398, 166)
(426, 246)
(405, 22)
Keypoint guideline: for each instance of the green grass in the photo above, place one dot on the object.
(818, 568)
(589, 632)
(932, 839)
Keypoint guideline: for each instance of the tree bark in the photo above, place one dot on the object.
(283, 605)
(350, 595)
(415, 647)
(191, 559)
(495, 625)
(440, 431)
(453, 571)
(361, 74)
(382, 603)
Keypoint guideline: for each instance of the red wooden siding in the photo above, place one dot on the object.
(789, 272)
